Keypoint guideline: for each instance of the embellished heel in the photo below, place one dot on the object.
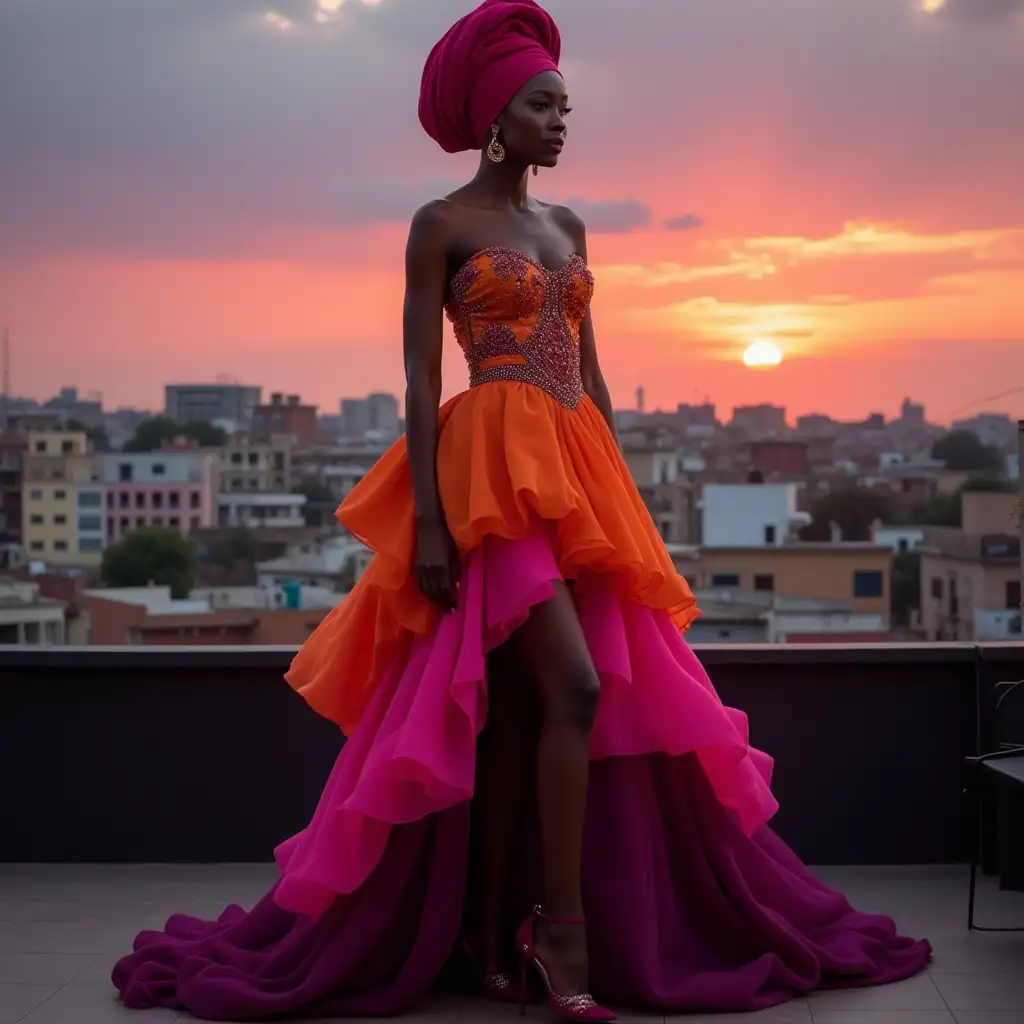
(581, 1007)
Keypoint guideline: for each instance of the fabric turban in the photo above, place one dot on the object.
(484, 59)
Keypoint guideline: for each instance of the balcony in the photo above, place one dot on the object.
(138, 781)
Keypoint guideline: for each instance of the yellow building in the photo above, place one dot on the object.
(62, 500)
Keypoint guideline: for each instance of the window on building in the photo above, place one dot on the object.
(254, 458)
(159, 469)
(89, 499)
(158, 499)
(36, 545)
(126, 524)
(124, 472)
(902, 545)
(140, 499)
(89, 524)
(236, 458)
(140, 522)
(765, 582)
(769, 535)
(60, 495)
(193, 500)
(174, 522)
(937, 588)
(173, 500)
(35, 495)
(60, 545)
(40, 447)
(8, 633)
(60, 520)
(36, 520)
(33, 633)
(1013, 594)
(124, 499)
(725, 579)
(67, 447)
(90, 545)
(868, 583)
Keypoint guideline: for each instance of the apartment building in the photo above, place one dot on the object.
(655, 465)
(749, 515)
(164, 488)
(232, 404)
(28, 618)
(971, 577)
(62, 500)
(260, 466)
(285, 415)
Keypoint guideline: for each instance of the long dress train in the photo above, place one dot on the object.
(692, 902)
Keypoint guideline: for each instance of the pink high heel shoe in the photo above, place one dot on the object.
(567, 1008)
(501, 987)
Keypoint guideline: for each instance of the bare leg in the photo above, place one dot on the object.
(553, 649)
(502, 771)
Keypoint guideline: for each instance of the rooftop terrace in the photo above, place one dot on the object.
(139, 781)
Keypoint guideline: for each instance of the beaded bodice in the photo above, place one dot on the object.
(517, 320)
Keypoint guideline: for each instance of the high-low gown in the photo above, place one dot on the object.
(692, 902)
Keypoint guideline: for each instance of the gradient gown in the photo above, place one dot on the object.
(692, 902)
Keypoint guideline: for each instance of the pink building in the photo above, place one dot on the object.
(165, 488)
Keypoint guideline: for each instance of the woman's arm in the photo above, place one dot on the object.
(590, 369)
(425, 282)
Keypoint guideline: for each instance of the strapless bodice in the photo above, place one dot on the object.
(517, 320)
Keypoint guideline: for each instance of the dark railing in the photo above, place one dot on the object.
(204, 754)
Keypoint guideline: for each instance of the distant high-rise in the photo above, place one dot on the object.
(212, 403)
(375, 414)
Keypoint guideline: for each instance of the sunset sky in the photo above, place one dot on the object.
(192, 189)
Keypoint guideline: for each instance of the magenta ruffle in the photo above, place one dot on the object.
(414, 752)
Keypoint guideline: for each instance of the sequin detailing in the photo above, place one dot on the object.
(516, 320)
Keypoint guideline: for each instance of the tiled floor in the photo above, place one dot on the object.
(61, 928)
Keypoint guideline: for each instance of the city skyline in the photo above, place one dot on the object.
(776, 174)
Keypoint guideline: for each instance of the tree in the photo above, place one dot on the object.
(852, 509)
(944, 509)
(98, 439)
(154, 554)
(905, 586)
(320, 500)
(961, 450)
(152, 434)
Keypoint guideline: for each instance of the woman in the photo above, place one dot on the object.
(511, 658)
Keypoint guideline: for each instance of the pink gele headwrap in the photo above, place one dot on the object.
(479, 65)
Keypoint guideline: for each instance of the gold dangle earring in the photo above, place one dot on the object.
(495, 151)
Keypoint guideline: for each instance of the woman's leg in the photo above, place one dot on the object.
(554, 652)
(502, 771)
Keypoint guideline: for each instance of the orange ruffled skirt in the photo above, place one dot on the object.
(508, 454)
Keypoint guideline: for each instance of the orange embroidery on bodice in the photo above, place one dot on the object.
(516, 320)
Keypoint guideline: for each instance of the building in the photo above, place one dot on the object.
(334, 564)
(749, 515)
(971, 577)
(852, 574)
(86, 412)
(165, 488)
(12, 463)
(654, 464)
(262, 466)
(232, 404)
(899, 539)
(260, 508)
(285, 416)
(62, 500)
(764, 420)
(26, 617)
(377, 413)
(995, 429)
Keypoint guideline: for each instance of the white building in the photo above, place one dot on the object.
(28, 619)
(334, 564)
(241, 508)
(212, 403)
(898, 538)
(270, 597)
(749, 515)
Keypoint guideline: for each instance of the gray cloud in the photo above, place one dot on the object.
(611, 216)
(684, 222)
(983, 11)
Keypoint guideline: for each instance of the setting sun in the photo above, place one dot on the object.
(762, 353)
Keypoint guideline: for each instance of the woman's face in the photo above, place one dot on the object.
(532, 127)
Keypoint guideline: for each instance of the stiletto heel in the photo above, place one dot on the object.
(581, 1007)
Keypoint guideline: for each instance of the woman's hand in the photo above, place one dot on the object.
(437, 563)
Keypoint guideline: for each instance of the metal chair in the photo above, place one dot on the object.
(1003, 768)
